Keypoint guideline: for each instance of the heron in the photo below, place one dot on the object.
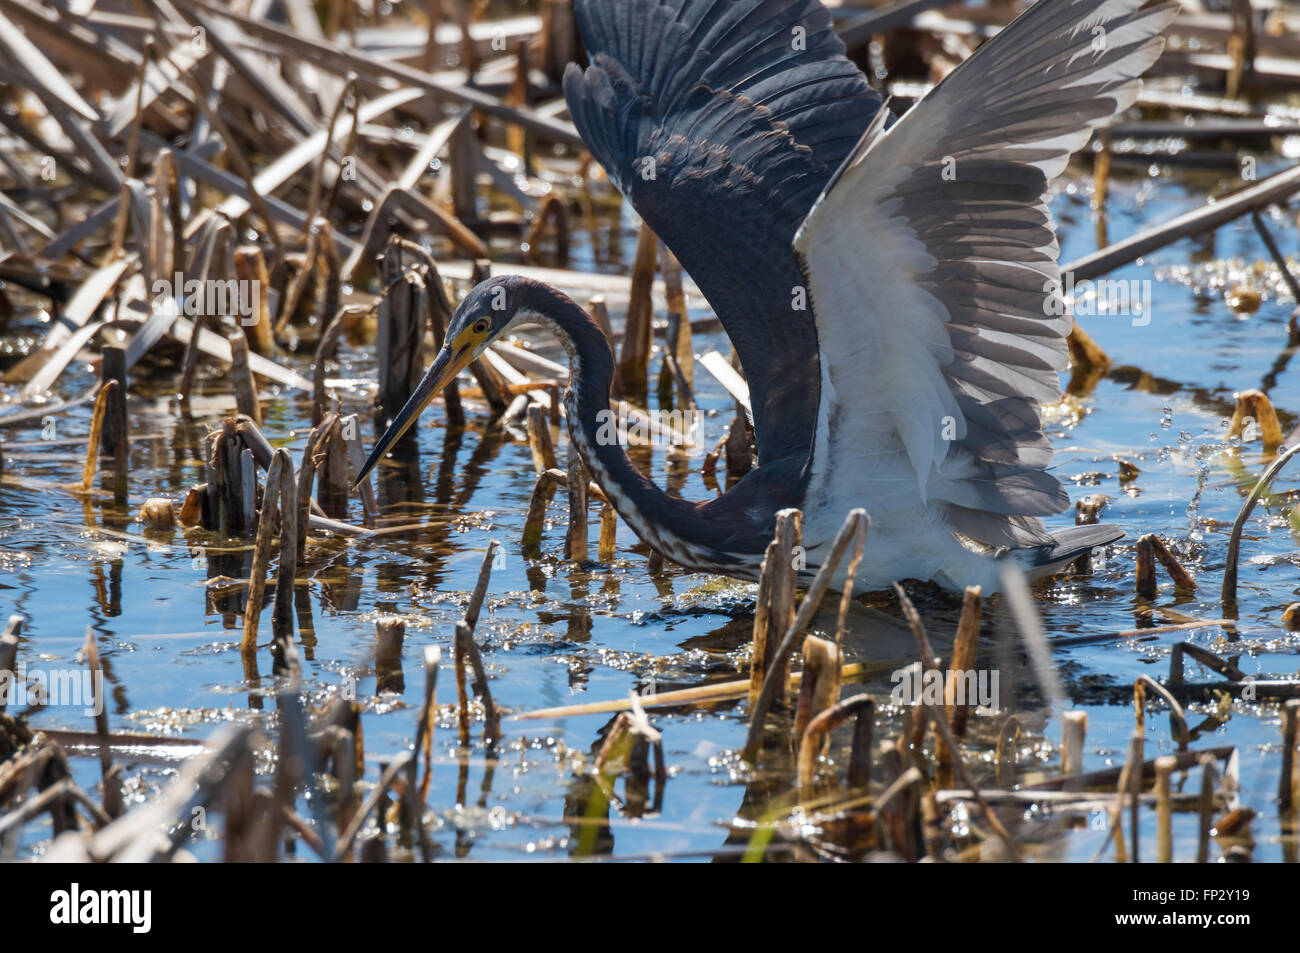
(890, 284)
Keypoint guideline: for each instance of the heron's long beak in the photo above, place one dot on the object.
(451, 360)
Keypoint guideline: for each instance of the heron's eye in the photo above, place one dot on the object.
(480, 326)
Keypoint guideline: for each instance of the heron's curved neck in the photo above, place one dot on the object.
(672, 526)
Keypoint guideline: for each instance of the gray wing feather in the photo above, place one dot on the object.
(965, 175)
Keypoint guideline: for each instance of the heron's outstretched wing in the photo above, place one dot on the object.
(722, 121)
(933, 264)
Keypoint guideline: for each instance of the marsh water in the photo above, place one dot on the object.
(554, 633)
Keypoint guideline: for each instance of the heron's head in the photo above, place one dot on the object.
(488, 311)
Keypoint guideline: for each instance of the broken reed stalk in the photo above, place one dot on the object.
(398, 765)
(1177, 717)
(467, 651)
(1164, 810)
(132, 152)
(1205, 807)
(774, 605)
(819, 728)
(853, 533)
(1255, 405)
(964, 648)
(306, 272)
(246, 401)
(9, 652)
(859, 772)
(96, 431)
(940, 718)
(332, 483)
(282, 612)
(250, 269)
(576, 539)
(820, 687)
(638, 328)
(390, 633)
(351, 432)
(1128, 788)
(476, 598)
(400, 340)
(325, 349)
(1279, 259)
(463, 152)
(113, 368)
(112, 779)
(1288, 785)
(606, 546)
(1074, 730)
(1151, 548)
(543, 491)
(679, 331)
(1228, 594)
(113, 437)
(599, 311)
(539, 439)
(232, 482)
(271, 498)
(306, 478)
(939, 715)
(424, 728)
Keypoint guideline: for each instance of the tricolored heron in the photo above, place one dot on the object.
(890, 285)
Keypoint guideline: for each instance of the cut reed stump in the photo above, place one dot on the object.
(543, 491)
(1088, 362)
(1150, 549)
(774, 605)
(1205, 807)
(818, 690)
(1074, 730)
(113, 438)
(332, 480)
(1088, 509)
(638, 329)
(599, 311)
(576, 538)
(113, 368)
(272, 500)
(964, 649)
(390, 633)
(739, 447)
(1254, 405)
(1288, 785)
(246, 401)
(250, 269)
(283, 654)
(111, 775)
(607, 545)
(1164, 810)
(231, 483)
(467, 652)
(852, 534)
(400, 343)
(539, 438)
